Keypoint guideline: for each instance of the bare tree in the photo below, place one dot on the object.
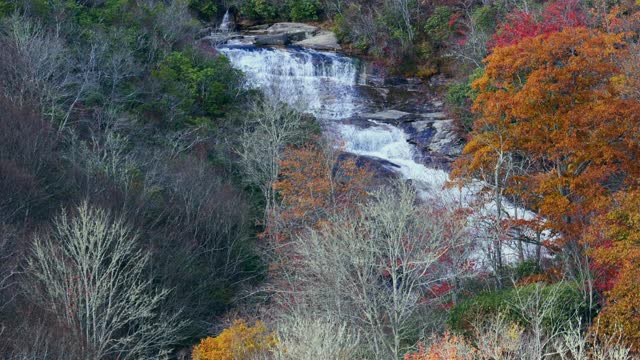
(302, 336)
(36, 66)
(405, 10)
(474, 48)
(577, 344)
(375, 268)
(538, 309)
(89, 273)
(498, 338)
(271, 126)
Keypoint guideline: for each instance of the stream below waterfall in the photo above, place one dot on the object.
(335, 90)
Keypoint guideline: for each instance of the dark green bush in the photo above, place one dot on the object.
(207, 10)
(304, 10)
(5, 8)
(258, 10)
(566, 305)
(524, 269)
(437, 27)
(194, 89)
(484, 17)
(460, 97)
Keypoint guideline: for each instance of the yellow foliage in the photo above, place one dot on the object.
(238, 342)
(618, 254)
(447, 347)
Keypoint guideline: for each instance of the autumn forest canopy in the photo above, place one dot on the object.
(156, 203)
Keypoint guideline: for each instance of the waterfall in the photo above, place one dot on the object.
(226, 24)
(390, 143)
(325, 84)
(322, 83)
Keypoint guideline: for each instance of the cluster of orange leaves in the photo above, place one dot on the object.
(553, 101)
(446, 347)
(616, 239)
(315, 183)
(567, 106)
(238, 342)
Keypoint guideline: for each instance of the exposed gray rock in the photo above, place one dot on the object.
(292, 28)
(217, 38)
(435, 116)
(265, 40)
(204, 32)
(386, 115)
(262, 27)
(446, 141)
(383, 170)
(324, 40)
(296, 36)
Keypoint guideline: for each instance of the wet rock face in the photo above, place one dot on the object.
(267, 40)
(436, 140)
(384, 172)
(422, 119)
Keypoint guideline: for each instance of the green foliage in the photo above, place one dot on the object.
(304, 10)
(460, 96)
(6, 7)
(258, 10)
(524, 269)
(110, 13)
(206, 9)
(484, 18)
(568, 304)
(340, 28)
(437, 27)
(199, 88)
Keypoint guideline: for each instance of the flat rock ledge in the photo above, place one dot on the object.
(324, 40)
(279, 34)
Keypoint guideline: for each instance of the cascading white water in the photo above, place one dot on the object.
(390, 143)
(325, 84)
(226, 24)
(318, 82)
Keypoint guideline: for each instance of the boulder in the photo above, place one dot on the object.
(324, 40)
(296, 36)
(293, 28)
(215, 39)
(446, 140)
(384, 171)
(420, 133)
(204, 32)
(266, 40)
(261, 27)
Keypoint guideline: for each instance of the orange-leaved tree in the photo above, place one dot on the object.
(316, 181)
(237, 342)
(552, 105)
(615, 238)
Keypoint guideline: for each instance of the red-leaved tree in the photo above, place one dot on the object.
(555, 16)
